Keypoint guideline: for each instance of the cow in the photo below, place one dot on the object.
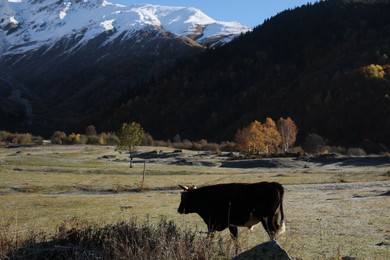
(232, 205)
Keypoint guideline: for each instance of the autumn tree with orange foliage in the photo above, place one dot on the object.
(257, 137)
(272, 136)
(249, 138)
(288, 132)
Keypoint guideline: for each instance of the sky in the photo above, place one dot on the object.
(247, 12)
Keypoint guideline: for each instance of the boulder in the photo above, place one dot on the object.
(267, 250)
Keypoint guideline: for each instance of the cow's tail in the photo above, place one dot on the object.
(282, 224)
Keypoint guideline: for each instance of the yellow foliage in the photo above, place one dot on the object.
(102, 140)
(257, 137)
(373, 71)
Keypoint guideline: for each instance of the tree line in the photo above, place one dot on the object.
(258, 138)
(326, 65)
(254, 139)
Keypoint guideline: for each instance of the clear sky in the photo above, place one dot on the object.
(247, 12)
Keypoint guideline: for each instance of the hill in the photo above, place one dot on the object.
(326, 65)
(63, 62)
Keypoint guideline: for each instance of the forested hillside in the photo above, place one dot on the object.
(325, 65)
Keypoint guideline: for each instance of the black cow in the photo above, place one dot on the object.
(236, 204)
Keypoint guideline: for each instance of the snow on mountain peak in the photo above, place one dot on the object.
(29, 24)
(65, 10)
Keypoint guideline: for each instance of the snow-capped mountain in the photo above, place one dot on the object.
(28, 24)
(62, 61)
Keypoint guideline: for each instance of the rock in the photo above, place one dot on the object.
(267, 250)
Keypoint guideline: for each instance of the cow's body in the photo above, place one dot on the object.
(237, 204)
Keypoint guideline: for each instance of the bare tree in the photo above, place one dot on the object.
(288, 132)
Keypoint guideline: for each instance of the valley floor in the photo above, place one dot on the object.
(334, 206)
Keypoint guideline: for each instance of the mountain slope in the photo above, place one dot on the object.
(29, 24)
(69, 59)
(307, 63)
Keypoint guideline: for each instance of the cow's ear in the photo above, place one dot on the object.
(193, 187)
(183, 187)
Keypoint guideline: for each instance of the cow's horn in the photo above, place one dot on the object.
(183, 187)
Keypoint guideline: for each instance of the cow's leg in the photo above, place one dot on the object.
(210, 231)
(271, 228)
(265, 224)
(210, 237)
(276, 220)
(233, 232)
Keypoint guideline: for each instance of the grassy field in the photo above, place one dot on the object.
(332, 210)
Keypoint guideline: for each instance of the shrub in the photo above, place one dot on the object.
(74, 139)
(386, 69)
(373, 71)
(148, 140)
(229, 146)
(314, 143)
(37, 139)
(4, 135)
(77, 239)
(93, 139)
(162, 143)
(58, 137)
(90, 130)
(19, 138)
(356, 152)
(338, 150)
(112, 139)
(296, 150)
(16, 138)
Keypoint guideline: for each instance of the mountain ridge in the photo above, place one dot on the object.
(36, 23)
(61, 56)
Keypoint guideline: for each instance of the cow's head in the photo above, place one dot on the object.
(186, 204)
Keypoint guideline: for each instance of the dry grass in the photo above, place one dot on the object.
(77, 239)
(330, 211)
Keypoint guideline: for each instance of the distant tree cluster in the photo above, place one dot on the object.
(90, 137)
(376, 71)
(373, 71)
(18, 139)
(258, 138)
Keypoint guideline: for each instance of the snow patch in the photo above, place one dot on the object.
(64, 11)
(106, 3)
(45, 22)
(108, 25)
(13, 20)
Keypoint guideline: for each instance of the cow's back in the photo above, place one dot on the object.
(236, 202)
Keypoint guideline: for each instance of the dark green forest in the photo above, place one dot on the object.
(325, 65)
